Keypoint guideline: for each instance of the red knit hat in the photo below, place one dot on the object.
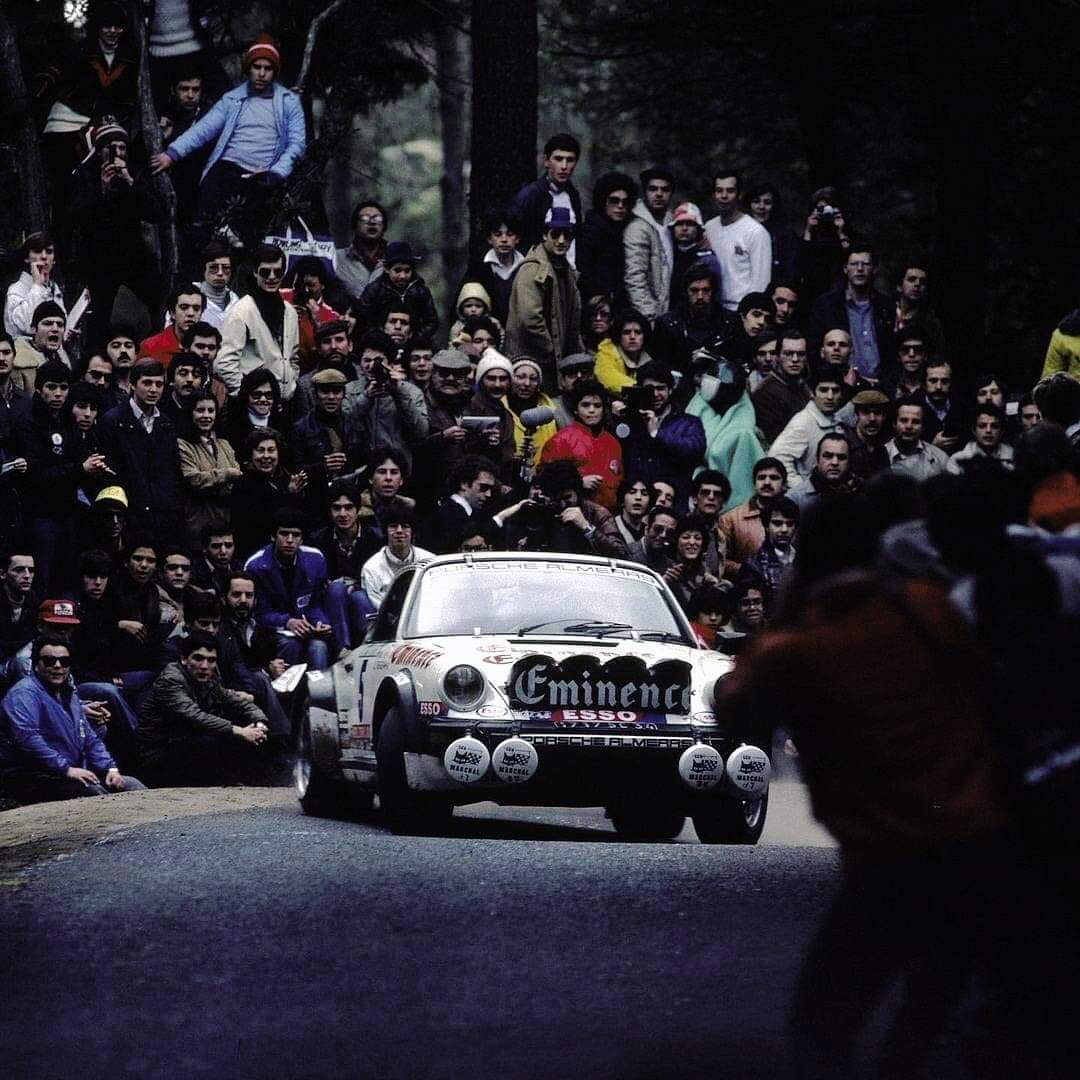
(263, 48)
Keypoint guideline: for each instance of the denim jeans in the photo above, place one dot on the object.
(348, 613)
(315, 652)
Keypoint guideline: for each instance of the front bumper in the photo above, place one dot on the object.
(575, 768)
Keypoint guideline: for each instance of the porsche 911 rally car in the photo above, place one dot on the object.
(531, 679)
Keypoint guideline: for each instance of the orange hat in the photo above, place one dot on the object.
(263, 48)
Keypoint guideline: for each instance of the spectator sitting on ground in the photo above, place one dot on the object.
(48, 750)
(193, 732)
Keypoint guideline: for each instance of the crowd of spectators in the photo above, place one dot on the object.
(186, 516)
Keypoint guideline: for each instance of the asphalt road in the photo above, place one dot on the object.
(525, 944)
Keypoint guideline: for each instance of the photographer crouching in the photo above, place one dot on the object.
(556, 516)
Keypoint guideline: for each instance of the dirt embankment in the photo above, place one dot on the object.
(31, 833)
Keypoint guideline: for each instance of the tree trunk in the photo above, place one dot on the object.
(451, 60)
(33, 186)
(505, 87)
(151, 133)
(964, 127)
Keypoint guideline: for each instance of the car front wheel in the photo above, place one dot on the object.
(407, 811)
(731, 821)
(319, 794)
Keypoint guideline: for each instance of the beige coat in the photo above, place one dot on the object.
(27, 361)
(246, 344)
(207, 485)
(536, 325)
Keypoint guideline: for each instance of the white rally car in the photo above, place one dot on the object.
(531, 679)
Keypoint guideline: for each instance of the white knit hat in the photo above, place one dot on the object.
(492, 360)
(529, 362)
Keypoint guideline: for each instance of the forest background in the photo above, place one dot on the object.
(949, 128)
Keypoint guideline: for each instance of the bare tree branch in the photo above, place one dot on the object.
(309, 47)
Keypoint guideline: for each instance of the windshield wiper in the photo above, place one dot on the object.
(596, 627)
(662, 635)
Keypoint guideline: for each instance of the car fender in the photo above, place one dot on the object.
(399, 689)
(323, 720)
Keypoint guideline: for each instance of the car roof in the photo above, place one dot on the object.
(469, 558)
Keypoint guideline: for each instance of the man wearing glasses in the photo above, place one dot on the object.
(867, 314)
(49, 750)
(362, 261)
(217, 264)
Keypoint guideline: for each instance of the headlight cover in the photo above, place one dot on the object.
(464, 686)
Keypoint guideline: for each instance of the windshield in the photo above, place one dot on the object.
(539, 597)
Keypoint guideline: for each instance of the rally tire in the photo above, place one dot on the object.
(731, 821)
(647, 823)
(319, 794)
(408, 812)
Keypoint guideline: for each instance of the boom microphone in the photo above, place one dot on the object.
(531, 419)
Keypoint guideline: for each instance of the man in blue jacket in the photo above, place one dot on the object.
(290, 585)
(49, 750)
(260, 135)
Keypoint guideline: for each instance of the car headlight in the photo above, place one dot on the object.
(463, 686)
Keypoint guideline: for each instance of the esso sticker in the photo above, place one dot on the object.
(467, 759)
(515, 761)
(701, 767)
(748, 770)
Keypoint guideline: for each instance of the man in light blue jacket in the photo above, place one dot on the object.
(260, 135)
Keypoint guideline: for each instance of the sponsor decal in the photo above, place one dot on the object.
(532, 716)
(414, 656)
(498, 658)
(514, 761)
(492, 648)
(491, 712)
(748, 770)
(608, 719)
(466, 759)
(623, 683)
(701, 767)
(430, 708)
(598, 741)
(704, 718)
(534, 566)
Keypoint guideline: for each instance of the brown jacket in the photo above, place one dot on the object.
(537, 325)
(741, 527)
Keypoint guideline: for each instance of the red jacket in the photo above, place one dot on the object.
(163, 346)
(592, 454)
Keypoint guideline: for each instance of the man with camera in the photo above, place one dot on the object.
(660, 441)
(557, 517)
(391, 410)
